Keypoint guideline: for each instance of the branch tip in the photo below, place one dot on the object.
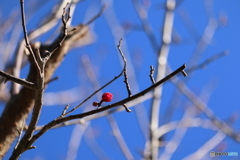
(5, 81)
(184, 73)
(65, 110)
(32, 147)
(126, 108)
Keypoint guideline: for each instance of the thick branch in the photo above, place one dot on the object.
(23, 145)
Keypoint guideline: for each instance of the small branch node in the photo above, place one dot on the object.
(64, 111)
(99, 104)
(127, 84)
(184, 73)
(151, 74)
(32, 147)
(126, 108)
(65, 18)
(5, 81)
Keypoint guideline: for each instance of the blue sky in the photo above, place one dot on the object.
(222, 75)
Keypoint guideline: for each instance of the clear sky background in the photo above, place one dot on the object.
(219, 81)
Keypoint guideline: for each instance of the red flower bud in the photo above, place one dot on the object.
(107, 97)
(95, 104)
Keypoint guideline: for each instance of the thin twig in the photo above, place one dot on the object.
(51, 80)
(98, 15)
(145, 24)
(124, 60)
(184, 73)
(126, 108)
(126, 83)
(28, 46)
(151, 74)
(65, 18)
(140, 111)
(40, 63)
(64, 111)
(51, 20)
(93, 80)
(22, 82)
(125, 69)
(207, 62)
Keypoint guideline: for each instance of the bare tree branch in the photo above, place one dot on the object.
(207, 147)
(203, 107)
(207, 62)
(102, 114)
(13, 114)
(160, 73)
(121, 141)
(124, 69)
(151, 74)
(114, 24)
(39, 64)
(142, 14)
(71, 117)
(26, 38)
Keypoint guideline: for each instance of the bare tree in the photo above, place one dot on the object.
(25, 98)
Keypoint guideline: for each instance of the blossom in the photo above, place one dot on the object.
(107, 97)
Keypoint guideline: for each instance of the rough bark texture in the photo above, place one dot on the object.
(20, 105)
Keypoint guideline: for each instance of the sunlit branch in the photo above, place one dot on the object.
(160, 73)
